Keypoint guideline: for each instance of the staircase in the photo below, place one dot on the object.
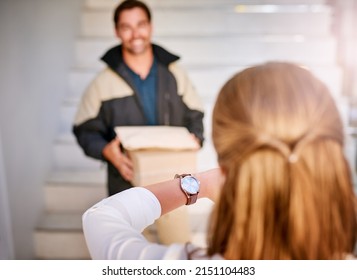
(215, 38)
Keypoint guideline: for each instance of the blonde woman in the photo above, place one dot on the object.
(283, 189)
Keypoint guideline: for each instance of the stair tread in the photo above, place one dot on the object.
(92, 178)
(60, 222)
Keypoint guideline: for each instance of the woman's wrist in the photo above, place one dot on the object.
(211, 182)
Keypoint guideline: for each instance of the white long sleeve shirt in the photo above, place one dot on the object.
(113, 228)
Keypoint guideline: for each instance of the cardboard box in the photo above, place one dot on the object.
(157, 166)
(158, 153)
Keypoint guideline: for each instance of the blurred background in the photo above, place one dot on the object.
(49, 51)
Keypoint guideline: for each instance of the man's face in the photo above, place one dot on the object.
(134, 30)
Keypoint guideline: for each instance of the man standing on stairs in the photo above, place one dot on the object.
(141, 85)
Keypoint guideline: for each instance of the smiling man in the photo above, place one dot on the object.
(141, 85)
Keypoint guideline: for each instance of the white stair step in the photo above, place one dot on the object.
(60, 245)
(227, 21)
(60, 236)
(69, 156)
(226, 50)
(65, 197)
(74, 191)
(110, 4)
(77, 177)
(60, 222)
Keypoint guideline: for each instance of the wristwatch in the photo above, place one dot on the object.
(190, 187)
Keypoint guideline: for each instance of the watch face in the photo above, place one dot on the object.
(190, 184)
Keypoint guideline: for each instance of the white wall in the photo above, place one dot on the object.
(6, 241)
(36, 49)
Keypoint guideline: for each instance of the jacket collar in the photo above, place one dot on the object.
(113, 57)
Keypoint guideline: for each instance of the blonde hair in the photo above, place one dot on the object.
(288, 192)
